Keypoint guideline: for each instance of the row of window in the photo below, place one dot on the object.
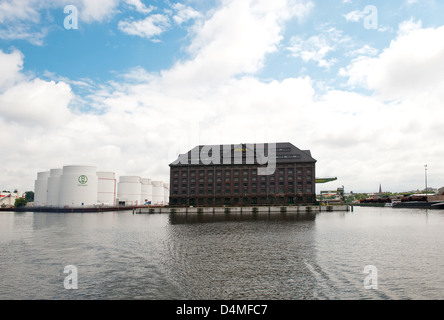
(243, 200)
(245, 185)
(245, 191)
(235, 172)
(289, 180)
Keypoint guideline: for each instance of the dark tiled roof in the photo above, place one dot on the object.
(229, 154)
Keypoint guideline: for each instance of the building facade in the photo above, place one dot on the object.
(243, 175)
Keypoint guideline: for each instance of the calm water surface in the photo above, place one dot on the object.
(119, 255)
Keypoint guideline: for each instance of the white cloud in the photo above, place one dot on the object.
(235, 40)
(30, 20)
(140, 6)
(23, 10)
(11, 65)
(33, 102)
(184, 13)
(354, 15)
(36, 102)
(318, 47)
(150, 27)
(414, 62)
(95, 11)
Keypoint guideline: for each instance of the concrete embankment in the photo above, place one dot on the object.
(240, 210)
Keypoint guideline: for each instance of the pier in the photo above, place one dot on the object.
(240, 210)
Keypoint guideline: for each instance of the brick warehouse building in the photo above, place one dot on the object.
(232, 175)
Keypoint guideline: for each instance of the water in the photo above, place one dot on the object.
(119, 255)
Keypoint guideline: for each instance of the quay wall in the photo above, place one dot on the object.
(243, 210)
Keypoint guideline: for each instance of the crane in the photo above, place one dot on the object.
(325, 180)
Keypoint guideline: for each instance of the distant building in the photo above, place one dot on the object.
(84, 186)
(7, 199)
(243, 174)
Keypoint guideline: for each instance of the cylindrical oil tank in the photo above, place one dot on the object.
(166, 190)
(41, 189)
(107, 188)
(129, 190)
(53, 197)
(78, 186)
(147, 191)
(158, 193)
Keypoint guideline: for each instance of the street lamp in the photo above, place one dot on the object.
(426, 180)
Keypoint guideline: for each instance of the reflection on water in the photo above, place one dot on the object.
(254, 257)
(189, 218)
(120, 255)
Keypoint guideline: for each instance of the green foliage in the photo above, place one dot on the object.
(29, 196)
(20, 202)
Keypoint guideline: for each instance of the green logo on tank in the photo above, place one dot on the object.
(83, 179)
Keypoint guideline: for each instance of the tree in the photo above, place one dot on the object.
(29, 196)
(20, 202)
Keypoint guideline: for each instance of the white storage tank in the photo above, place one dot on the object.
(147, 191)
(129, 190)
(53, 196)
(41, 189)
(158, 193)
(166, 191)
(78, 186)
(107, 188)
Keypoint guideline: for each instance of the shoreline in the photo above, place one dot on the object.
(172, 209)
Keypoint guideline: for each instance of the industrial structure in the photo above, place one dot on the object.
(84, 186)
(243, 174)
(7, 199)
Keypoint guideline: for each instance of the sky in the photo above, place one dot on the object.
(128, 85)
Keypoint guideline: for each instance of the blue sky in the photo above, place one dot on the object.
(140, 81)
